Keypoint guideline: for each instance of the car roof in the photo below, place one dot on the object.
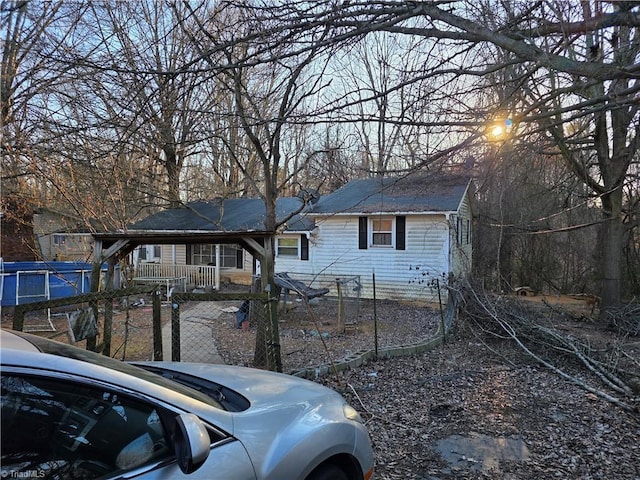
(9, 340)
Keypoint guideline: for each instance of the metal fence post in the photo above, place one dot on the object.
(175, 330)
(157, 327)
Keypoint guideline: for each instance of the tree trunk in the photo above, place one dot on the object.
(274, 360)
(612, 250)
(267, 351)
(173, 178)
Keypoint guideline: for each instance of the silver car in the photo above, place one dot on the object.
(68, 413)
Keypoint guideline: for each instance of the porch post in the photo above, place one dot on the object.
(217, 271)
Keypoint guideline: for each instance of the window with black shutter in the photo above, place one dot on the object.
(304, 247)
(401, 232)
(363, 236)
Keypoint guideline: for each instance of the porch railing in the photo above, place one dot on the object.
(193, 275)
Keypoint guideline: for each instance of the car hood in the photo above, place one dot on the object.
(290, 424)
(264, 390)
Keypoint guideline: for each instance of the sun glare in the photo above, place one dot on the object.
(499, 129)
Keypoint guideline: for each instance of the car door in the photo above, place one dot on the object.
(57, 428)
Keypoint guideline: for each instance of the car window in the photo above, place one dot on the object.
(63, 350)
(53, 429)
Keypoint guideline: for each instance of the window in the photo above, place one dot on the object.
(205, 254)
(463, 231)
(59, 239)
(54, 429)
(382, 232)
(150, 253)
(287, 247)
(230, 256)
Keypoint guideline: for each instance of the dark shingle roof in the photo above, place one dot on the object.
(229, 215)
(374, 195)
(434, 193)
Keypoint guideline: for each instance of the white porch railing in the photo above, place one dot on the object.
(198, 275)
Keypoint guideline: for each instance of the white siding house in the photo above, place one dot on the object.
(414, 235)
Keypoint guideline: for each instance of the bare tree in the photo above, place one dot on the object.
(575, 61)
(154, 92)
(33, 38)
(153, 106)
(37, 39)
(269, 91)
(580, 64)
(387, 103)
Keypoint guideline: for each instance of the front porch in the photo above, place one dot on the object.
(192, 276)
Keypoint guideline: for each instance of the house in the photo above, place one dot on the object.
(60, 236)
(413, 233)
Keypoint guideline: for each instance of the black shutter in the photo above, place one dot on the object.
(363, 236)
(304, 247)
(401, 229)
(239, 258)
(188, 259)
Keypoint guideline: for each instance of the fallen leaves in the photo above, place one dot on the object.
(410, 403)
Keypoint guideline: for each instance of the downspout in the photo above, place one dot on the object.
(449, 251)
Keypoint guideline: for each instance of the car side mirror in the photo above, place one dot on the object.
(191, 442)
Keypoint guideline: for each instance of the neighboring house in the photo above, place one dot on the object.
(412, 232)
(60, 236)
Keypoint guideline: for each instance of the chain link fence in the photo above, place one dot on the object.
(194, 317)
(123, 323)
(142, 323)
(292, 330)
(316, 328)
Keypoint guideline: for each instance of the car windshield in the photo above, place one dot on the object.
(69, 351)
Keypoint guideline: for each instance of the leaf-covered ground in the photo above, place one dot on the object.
(423, 412)
(410, 404)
